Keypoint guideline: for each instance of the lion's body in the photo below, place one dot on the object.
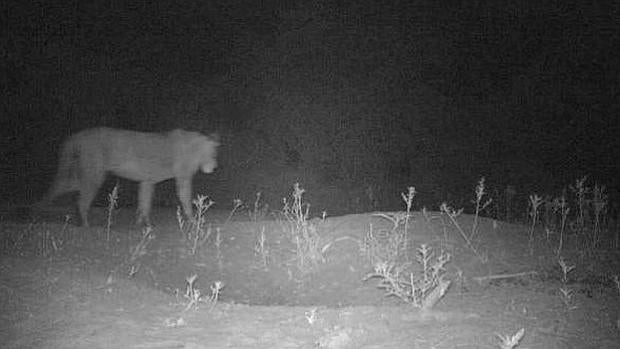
(148, 158)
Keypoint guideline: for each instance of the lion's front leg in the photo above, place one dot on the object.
(145, 198)
(184, 192)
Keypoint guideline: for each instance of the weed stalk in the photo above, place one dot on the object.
(479, 206)
(535, 202)
(408, 199)
(112, 205)
(560, 205)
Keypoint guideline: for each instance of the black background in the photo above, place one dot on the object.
(342, 96)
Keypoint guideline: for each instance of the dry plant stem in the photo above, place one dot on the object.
(140, 250)
(218, 250)
(566, 293)
(112, 204)
(436, 294)
(566, 268)
(567, 298)
(237, 203)
(452, 215)
(303, 233)
(510, 342)
(504, 276)
(580, 191)
(259, 210)
(261, 249)
(422, 292)
(599, 201)
(394, 284)
(191, 293)
(479, 207)
(199, 239)
(215, 293)
(535, 202)
(408, 199)
(193, 228)
(65, 224)
(561, 205)
(256, 206)
(390, 246)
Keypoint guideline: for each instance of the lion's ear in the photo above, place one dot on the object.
(215, 137)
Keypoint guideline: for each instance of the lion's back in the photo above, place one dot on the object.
(130, 154)
(119, 143)
(142, 155)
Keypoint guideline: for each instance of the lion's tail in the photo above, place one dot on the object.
(67, 176)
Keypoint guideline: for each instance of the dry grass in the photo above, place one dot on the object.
(580, 214)
(36, 239)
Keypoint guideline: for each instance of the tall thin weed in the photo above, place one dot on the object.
(195, 230)
(479, 206)
(303, 233)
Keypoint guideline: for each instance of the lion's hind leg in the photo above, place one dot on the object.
(66, 179)
(89, 186)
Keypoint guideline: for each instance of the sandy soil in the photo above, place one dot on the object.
(69, 287)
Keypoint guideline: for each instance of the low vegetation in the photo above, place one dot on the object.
(575, 225)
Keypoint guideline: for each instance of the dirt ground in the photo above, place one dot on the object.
(63, 286)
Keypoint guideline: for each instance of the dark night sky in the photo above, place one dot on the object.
(344, 95)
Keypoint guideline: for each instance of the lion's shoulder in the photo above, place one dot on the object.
(95, 133)
(183, 137)
(180, 135)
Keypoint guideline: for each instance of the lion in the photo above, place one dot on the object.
(148, 158)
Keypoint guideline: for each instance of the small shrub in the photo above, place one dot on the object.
(303, 233)
(566, 293)
(510, 342)
(423, 290)
(194, 229)
(194, 296)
